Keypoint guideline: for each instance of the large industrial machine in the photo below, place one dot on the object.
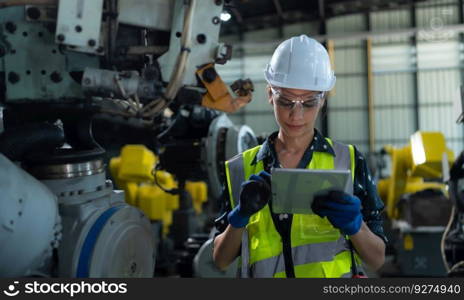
(452, 245)
(80, 79)
(417, 204)
(453, 238)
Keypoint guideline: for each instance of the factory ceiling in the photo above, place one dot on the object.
(250, 15)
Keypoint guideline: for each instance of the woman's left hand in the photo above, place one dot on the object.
(342, 210)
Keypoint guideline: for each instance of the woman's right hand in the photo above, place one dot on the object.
(254, 195)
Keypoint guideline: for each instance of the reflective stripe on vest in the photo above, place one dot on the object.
(322, 251)
(304, 254)
(235, 171)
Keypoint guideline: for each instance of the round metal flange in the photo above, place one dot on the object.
(214, 142)
(120, 243)
(224, 142)
(70, 170)
(239, 139)
(204, 267)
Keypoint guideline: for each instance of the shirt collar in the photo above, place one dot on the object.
(319, 144)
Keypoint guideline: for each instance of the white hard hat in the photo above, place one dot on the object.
(300, 63)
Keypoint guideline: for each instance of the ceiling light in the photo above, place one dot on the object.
(225, 16)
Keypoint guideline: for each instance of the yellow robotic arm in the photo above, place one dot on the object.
(133, 172)
(420, 160)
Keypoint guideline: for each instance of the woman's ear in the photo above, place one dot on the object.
(269, 94)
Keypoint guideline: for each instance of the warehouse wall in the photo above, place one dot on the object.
(347, 107)
(415, 80)
(426, 70)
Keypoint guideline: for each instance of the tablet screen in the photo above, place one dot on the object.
(293, 190)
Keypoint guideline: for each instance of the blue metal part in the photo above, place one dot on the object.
(83, 266)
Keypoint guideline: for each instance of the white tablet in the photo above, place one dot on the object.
(293, 190)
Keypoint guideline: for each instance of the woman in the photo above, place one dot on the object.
(345, 227)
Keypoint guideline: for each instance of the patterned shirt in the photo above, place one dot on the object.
(363, 186)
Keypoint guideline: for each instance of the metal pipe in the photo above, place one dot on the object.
(175, 81)
(370, 96)
(415, 82)
(278, 8)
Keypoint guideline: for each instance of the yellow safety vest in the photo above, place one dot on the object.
(318, 249)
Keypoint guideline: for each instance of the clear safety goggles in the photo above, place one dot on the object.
(290, 103)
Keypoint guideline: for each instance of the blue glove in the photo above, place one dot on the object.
(254, 195)
(342, 210)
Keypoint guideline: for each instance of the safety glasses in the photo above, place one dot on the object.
(290, 103)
